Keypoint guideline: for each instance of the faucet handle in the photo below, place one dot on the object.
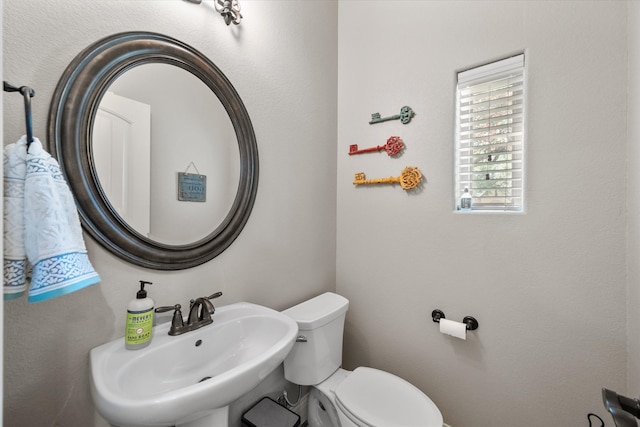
(216, 295)
(166, 308)
(177, 321)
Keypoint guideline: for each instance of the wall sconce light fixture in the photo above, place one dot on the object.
(229, 9)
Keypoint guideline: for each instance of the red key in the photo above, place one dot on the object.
(393, 147)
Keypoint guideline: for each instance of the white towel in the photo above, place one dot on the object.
(15, 258)
(52, 233)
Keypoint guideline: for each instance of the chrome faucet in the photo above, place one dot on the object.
(200, 312)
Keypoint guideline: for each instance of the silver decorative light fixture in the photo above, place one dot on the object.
(229, 9)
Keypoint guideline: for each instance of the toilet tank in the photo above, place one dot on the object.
(318, 351)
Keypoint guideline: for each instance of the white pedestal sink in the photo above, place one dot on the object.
(189, 380)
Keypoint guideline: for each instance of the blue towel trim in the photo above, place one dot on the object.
(60, 275)
(63, 291)
(16, 295)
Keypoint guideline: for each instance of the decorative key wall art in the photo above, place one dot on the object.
(409, 178)
(393, 147)
(406, 113)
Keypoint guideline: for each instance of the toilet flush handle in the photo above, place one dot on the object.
(301, 338)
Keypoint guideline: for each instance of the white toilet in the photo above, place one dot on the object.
(365, 397)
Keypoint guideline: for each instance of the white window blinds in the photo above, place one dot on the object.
(490, 135)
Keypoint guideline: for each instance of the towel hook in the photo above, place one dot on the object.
(27, 93)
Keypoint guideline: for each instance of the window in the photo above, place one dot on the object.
(490, 137)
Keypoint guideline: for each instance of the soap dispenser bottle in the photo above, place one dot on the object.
(139, 320)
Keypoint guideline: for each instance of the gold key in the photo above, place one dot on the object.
(409, 178)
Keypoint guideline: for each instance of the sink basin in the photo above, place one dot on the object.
(177, 380)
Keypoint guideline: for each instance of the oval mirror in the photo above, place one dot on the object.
(158, 150)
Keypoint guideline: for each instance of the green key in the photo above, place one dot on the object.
(406, 113)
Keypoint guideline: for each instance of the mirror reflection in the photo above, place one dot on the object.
(160, 130)
(195, 124)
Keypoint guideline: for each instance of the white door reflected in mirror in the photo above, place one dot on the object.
(122, 157)
(188, 126)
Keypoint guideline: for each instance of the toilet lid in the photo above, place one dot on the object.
(378, 398)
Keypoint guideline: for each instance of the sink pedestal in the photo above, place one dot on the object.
(218, 418)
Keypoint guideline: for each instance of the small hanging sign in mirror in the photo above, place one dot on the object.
(192, 187)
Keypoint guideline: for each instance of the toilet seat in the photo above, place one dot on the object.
(371, 397)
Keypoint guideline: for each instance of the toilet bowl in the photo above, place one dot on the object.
(364, 397)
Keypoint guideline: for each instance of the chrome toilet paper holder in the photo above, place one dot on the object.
(471, 322)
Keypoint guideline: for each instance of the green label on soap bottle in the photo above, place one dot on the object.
(139, 327)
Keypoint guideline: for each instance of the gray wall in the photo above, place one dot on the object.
(551, 306)
(282, 61)
(547, 286)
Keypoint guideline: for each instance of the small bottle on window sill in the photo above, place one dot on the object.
(465, 200)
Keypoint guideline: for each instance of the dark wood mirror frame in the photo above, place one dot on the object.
(73, 109)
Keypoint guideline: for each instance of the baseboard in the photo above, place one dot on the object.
(446, 425)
